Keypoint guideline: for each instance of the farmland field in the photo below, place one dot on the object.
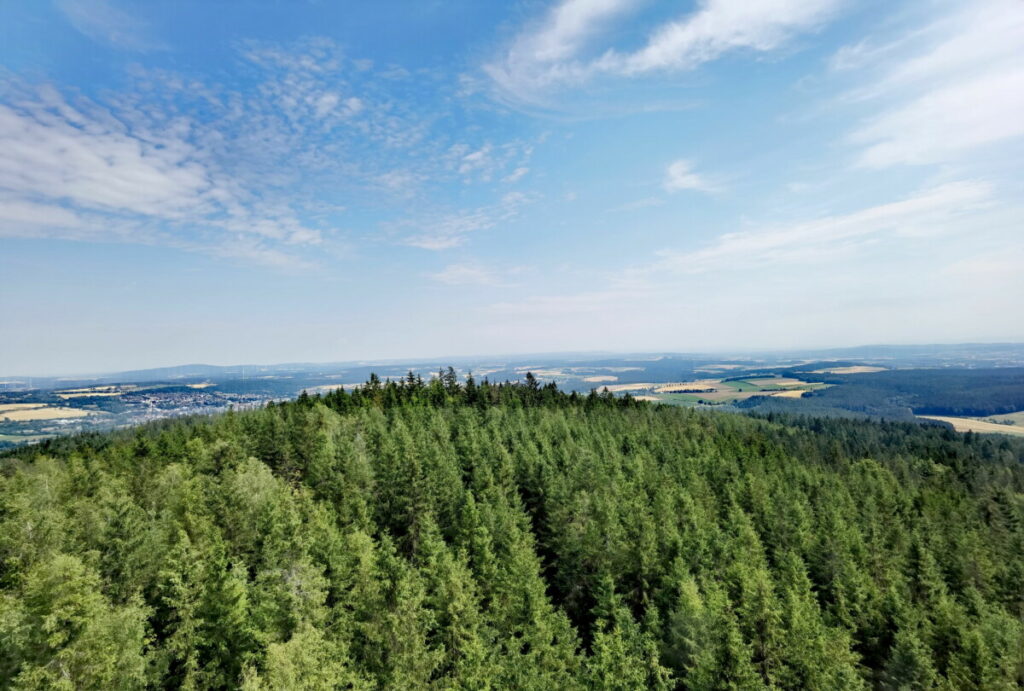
(789, 393)
(5, 407)
(969, 424)
(1014, 418)
(34, 411)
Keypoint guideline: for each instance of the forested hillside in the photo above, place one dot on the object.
(959, 391)
(479, 536)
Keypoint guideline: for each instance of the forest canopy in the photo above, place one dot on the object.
(473, 535)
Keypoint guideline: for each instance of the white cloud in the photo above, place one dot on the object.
(489, 161)
(719, 27)
(944, 90)
(945, 122)
(680, 176)
(325, 103)
(354, 105)
(101, 21)
(254, 252)
(450, 230)
(848, 277)
(516, 174)
(82, 171)
(187, 162)
(541, 54)
(475, 160)
(928, 213)
(64, 154)
(552, 54)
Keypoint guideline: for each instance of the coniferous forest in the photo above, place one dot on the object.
(472, 535)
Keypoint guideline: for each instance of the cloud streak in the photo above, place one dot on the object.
(950, 88)
(680, 176)
(927, 213)
(250, 170)
(451, 230)
(553, 55)
(79, 172)
(103, 22)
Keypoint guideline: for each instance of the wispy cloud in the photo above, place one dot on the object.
(104, 22)
(929, 213)
(78, 171)
(487, 162)
(859, 273)
(51, 149)
(450, 230)
(254, 175)
(680, 176)
(516, 175)
(942, 91)
(554, 53)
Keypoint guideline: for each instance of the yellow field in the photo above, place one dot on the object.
(647, 398)
(969, 424)
(856, 369)
(94, 391)
(33, 411)
(203, 385)
(600, 378)
(1016, 418)
(792, 393)
(4, 407)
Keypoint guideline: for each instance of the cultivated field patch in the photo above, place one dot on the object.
(970, 424)
(1008, 418)
(44, 413)
(789, 393)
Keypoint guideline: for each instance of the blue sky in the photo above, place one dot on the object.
(231, 182)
